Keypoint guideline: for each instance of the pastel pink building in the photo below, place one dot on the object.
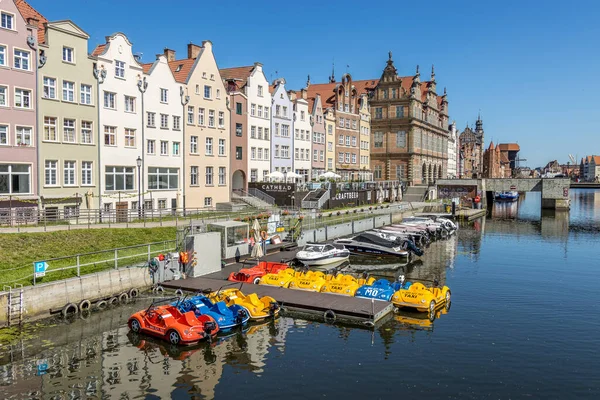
(18, 134)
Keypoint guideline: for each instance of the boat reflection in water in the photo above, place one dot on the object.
(419, 321)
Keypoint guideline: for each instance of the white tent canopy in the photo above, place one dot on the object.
(292, 174)
(275, 174)
(329, 175)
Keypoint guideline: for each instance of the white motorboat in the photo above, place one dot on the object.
(314, 254)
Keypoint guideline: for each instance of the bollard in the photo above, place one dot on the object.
(78, 266)
(116, 259)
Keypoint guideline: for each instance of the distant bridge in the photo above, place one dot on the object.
(555, 191)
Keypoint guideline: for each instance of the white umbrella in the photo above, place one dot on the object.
(294, 175)
(257, 249)
(329, 174)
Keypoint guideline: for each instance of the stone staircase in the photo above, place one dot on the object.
(415, 193)
(315, 199)
(249, 200)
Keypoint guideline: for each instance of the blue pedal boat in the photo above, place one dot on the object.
(381, 290)
(226, 317)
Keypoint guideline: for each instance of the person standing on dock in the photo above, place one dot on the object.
(477, 202)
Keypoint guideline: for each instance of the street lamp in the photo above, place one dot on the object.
(139, 165)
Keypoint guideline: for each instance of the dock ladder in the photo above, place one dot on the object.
(15, 304)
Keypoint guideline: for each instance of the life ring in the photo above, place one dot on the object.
(123, 297)
(84, 305)
(263, 235)
(69, 309)
(134, 292)
(329, 316)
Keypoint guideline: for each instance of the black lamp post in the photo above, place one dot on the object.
(139, 165)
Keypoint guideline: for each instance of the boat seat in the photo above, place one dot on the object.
(253, 299)
(222, 308)
(190, 318)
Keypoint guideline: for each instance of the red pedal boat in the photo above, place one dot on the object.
(168, 323)
(253, 275)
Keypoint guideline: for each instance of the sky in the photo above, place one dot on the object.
(530, 67)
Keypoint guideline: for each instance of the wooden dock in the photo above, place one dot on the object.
(346, 309)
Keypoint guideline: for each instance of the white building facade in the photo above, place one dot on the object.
(120, 124)
(163, 137)
(259, 124)
(452, 151)
(282, 128)
(302, 137)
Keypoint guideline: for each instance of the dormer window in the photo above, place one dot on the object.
(179, 68)
(68, 54)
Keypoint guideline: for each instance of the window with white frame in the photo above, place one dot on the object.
(110, 135)
(176, 146)
(85, 94)
(221, 119)
(329, 146)
(151, 146)
(260, 111)
(285, 112)
(285, 130)
(266, 154)
(164, 95)
(151, 119)
(347, 124)
(110, 100)
(260, 91)
(7, 20)
(401, 139)
(348, 140)
(378, 139)
(285, 151)
(353, 158)
(162, 204)
(259, 153)
(322, 155)
(15, 178)
(201, 116)
(208, 202)
(69, 173)
(164, 148)
(190, 114)
(253, 175)
(211, 118)
(296, 153)
(221, 147)
(193, 176)
(297, 134)
(265, 173)
(49, 88)
(253, 132)
(68, 54)
(341, 157)
(51, 173)
(253, 109)
(209, 146)
(176, 122)
(354, 124)
(341, 122)
(277, 151)
(3, 56)
(347, 158)
(266, 136)
(160, 178)
(267, 112)
(21, 59)
(129, 137)
(277, 110)
(341, 140)
(3, 96)
(315, 155)
(253, 153)
(86, 132)
(194, 144)
(207, 92)
(129, 104)
(239, 153)
(330, 163)
(302, 116)
(330, 129)
(209, 176)
(353, 141)
(68, 91)
(119, 69)
(118, 178)
(23, 135)
(50, 129)
(86, 173)
(164, 121)
(3, 136)
(222, 176)
(22, 98)
(69, 130)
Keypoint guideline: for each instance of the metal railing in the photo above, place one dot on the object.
(261, 195)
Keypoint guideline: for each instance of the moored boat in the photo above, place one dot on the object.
(368, 243)
(314, 254)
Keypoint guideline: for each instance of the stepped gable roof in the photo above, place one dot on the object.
(181, 68)
(596, 159)
(27, 11)
(238, 73)
(99, 50)
(509, 147)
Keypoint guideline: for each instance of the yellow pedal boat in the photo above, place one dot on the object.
(421, 297)
(345, 285)
(281, 278)
(311, 281)
(258, 308)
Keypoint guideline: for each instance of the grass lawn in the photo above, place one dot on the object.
(20, 250)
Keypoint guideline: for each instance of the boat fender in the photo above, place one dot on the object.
(123, 297)
(85, 314)
(112, 301)
(263, 235)
(69, 309)
(84, 305)
(160, 289)
(179, 292)
(101, 305)
(134, 293)
(329, 316)
(370, 324)
(256, 280)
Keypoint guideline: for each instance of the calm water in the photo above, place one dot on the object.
(524, 323)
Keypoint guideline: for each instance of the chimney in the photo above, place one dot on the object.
(170, 54)
(193, 50)
(292, 95)
(304, 93)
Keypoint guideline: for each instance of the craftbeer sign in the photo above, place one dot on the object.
(346, 196)
(276, 187)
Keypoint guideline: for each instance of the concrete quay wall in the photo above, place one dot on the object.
(347, 228)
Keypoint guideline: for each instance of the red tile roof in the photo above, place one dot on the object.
(99, 50)
(146, 67)
(29, 12)
(509, 147)
(240, 74)
(181, 68)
